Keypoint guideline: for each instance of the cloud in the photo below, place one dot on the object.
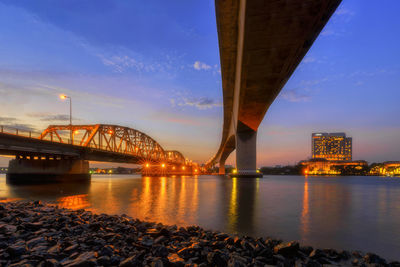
(344, 12)
(11, 124)
(50, 117)
(309, 59)
(200, 103)
(327, 32)
(201, 66)
(122, 63)
(23, 127)
(122, 60)
(294, 95)
(7, 120)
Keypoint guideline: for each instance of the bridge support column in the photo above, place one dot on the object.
(221, 167)
(246, 148)
(45, 170)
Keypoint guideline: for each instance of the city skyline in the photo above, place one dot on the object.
(347, 82)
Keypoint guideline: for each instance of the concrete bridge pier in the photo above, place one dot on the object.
(221, 170)
(246, 152)
(37, 170)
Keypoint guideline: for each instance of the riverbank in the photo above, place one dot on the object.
(36, 234)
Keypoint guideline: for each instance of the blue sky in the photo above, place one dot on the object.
(154, 66)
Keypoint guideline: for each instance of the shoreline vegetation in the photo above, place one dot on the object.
(40, 234)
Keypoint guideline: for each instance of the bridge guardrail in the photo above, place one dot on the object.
(28, 133)
(18, 131)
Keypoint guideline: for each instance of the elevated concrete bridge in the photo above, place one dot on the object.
(261, 43)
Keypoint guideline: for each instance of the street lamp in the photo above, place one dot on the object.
(63, 97)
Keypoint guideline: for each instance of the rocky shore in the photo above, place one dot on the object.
(36, 234)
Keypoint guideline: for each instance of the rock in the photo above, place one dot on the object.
(23, 263)
(160, 239)
(237, 241)
(160, 251)
(357, 254)
(33, 242)
(51, 263)
(107, 251)
(185, 253)
(132, 261)
(279, 258)
(95, 226)
(147, 241)
(324, 261)
(373, 258)
(306, 249)
(115, 260)
(86, 259)
(33, 226)
(316, 253)
(157, 263)
(355, 262)
(7, 228)
(41, 235)
(312, 263)
(104, 260)
(247, 245)
(229, 240)
(344, 255)
(236, 263)
(287, 249)
(16, 250)
(176, 260)
(221, 236)
(54, 249)
(39, 250)
(216, 258)
(71, 249)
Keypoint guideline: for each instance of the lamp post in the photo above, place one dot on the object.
(71, 135)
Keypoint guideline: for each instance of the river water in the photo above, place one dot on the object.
(353, 213)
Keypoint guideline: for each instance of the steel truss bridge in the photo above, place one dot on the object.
(97, 142)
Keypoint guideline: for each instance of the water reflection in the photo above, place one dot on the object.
(339, 212)
(305, 212)
(242, 205)
(325, 211)
(47, 192)
(74, 202)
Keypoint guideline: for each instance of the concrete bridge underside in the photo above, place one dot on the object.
(261, 43)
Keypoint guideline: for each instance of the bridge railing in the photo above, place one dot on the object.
(19, 131)
(38, 135)
(27, 133)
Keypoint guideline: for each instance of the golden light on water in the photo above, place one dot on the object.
(74, 202)
(233, 208)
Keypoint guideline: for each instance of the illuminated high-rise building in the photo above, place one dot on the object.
(331, 146)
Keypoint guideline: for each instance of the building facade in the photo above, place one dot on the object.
(388, 168)
(331, 146)
(333, 167)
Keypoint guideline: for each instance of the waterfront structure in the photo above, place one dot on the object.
(51, 156)
(331, 146)
(388, 168)
(333, 167)
(261, 43)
